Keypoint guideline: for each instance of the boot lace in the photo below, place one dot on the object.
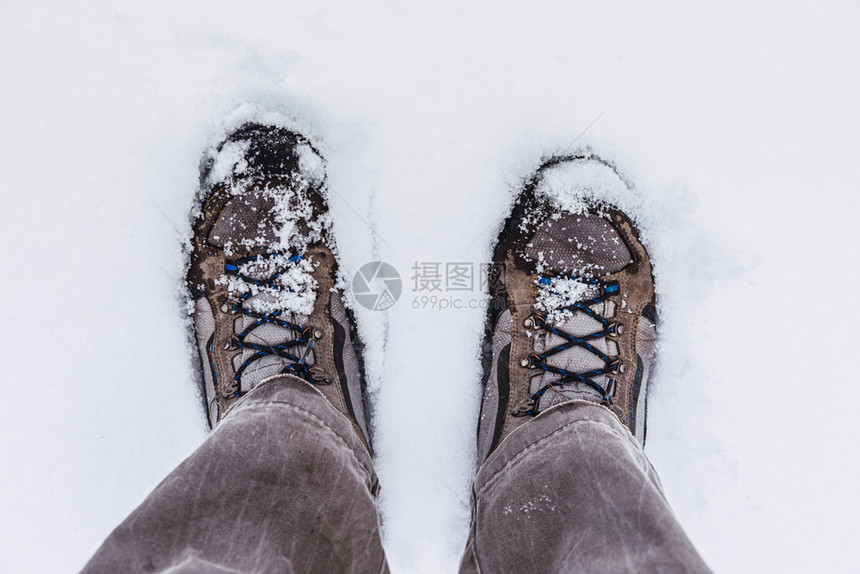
(540, 361)
(296, 365)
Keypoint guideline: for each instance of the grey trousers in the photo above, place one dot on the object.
(283, 484)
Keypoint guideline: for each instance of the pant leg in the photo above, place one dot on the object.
(283, 484)
(572, 491)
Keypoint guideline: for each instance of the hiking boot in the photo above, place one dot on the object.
(263, 275)
(572, 314)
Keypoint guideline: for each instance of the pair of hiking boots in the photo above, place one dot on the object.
(572, 315)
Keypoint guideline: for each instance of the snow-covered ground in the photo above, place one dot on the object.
(737, 121)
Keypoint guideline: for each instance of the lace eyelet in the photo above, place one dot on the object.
(529, 362)
(618, 367)
(615, 329)
(320, 377)
(524, 408)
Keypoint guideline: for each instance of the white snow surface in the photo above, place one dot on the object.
(736, 122)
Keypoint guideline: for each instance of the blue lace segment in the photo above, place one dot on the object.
(296, 365)
(608, 289)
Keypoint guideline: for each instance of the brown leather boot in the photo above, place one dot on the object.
(263, 275)
(573, 310)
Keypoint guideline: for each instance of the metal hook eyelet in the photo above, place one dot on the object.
(320, 377)
(529, 362)
(618, 367)
(524, 407)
